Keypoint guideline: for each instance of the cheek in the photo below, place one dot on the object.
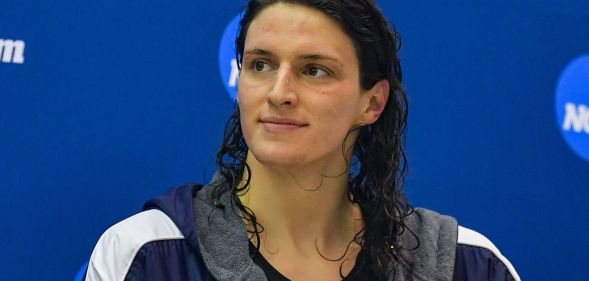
(345, 112)
(247, 82)
(248, 120)
(347, 115)
(246, 113)
(248, 98)
(336, 122)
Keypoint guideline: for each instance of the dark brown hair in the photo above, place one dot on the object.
(376, 174)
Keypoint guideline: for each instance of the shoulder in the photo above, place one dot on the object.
(431, 221)
(431, 240)
(118, 247)
(447, 249)
(477, 258)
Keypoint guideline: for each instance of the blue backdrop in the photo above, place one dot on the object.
(104, 104)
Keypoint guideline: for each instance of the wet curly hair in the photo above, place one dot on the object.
(376, 173)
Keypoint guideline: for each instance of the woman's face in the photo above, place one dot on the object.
(299, 89)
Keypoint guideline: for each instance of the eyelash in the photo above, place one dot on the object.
(254, 64)
(327, 72)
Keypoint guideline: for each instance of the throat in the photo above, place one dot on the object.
(303, 214)
(301, 218)
(280, 266)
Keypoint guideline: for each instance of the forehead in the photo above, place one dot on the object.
(298, 28)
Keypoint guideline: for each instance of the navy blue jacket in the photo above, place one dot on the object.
(183, 236)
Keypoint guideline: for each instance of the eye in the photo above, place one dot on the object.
(260, 66)
(315, 71)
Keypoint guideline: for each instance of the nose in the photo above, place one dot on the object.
(282, 95)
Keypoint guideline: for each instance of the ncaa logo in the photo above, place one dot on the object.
(12, 51)
(572, 105)
(81, 272)
(227, 62)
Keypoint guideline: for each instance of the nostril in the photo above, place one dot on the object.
(286, 104)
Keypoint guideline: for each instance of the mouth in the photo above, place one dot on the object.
(279, 124)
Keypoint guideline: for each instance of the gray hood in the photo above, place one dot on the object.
(224, 242)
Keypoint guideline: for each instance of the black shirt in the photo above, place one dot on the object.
(358, 273)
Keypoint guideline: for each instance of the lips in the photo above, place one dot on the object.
(280, 124)
(280, 120)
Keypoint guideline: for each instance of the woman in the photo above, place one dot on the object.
(309, 173)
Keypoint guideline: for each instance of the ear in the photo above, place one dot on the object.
(377, 98)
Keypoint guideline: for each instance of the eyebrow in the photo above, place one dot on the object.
(257, 51)
(317, 56)
(320, 57)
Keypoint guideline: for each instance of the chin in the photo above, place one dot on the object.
(277, 159)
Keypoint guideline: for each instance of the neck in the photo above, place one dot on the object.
(301, 209)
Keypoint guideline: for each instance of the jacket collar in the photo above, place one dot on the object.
(177, 204)
(222, 236)
(219, 235)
